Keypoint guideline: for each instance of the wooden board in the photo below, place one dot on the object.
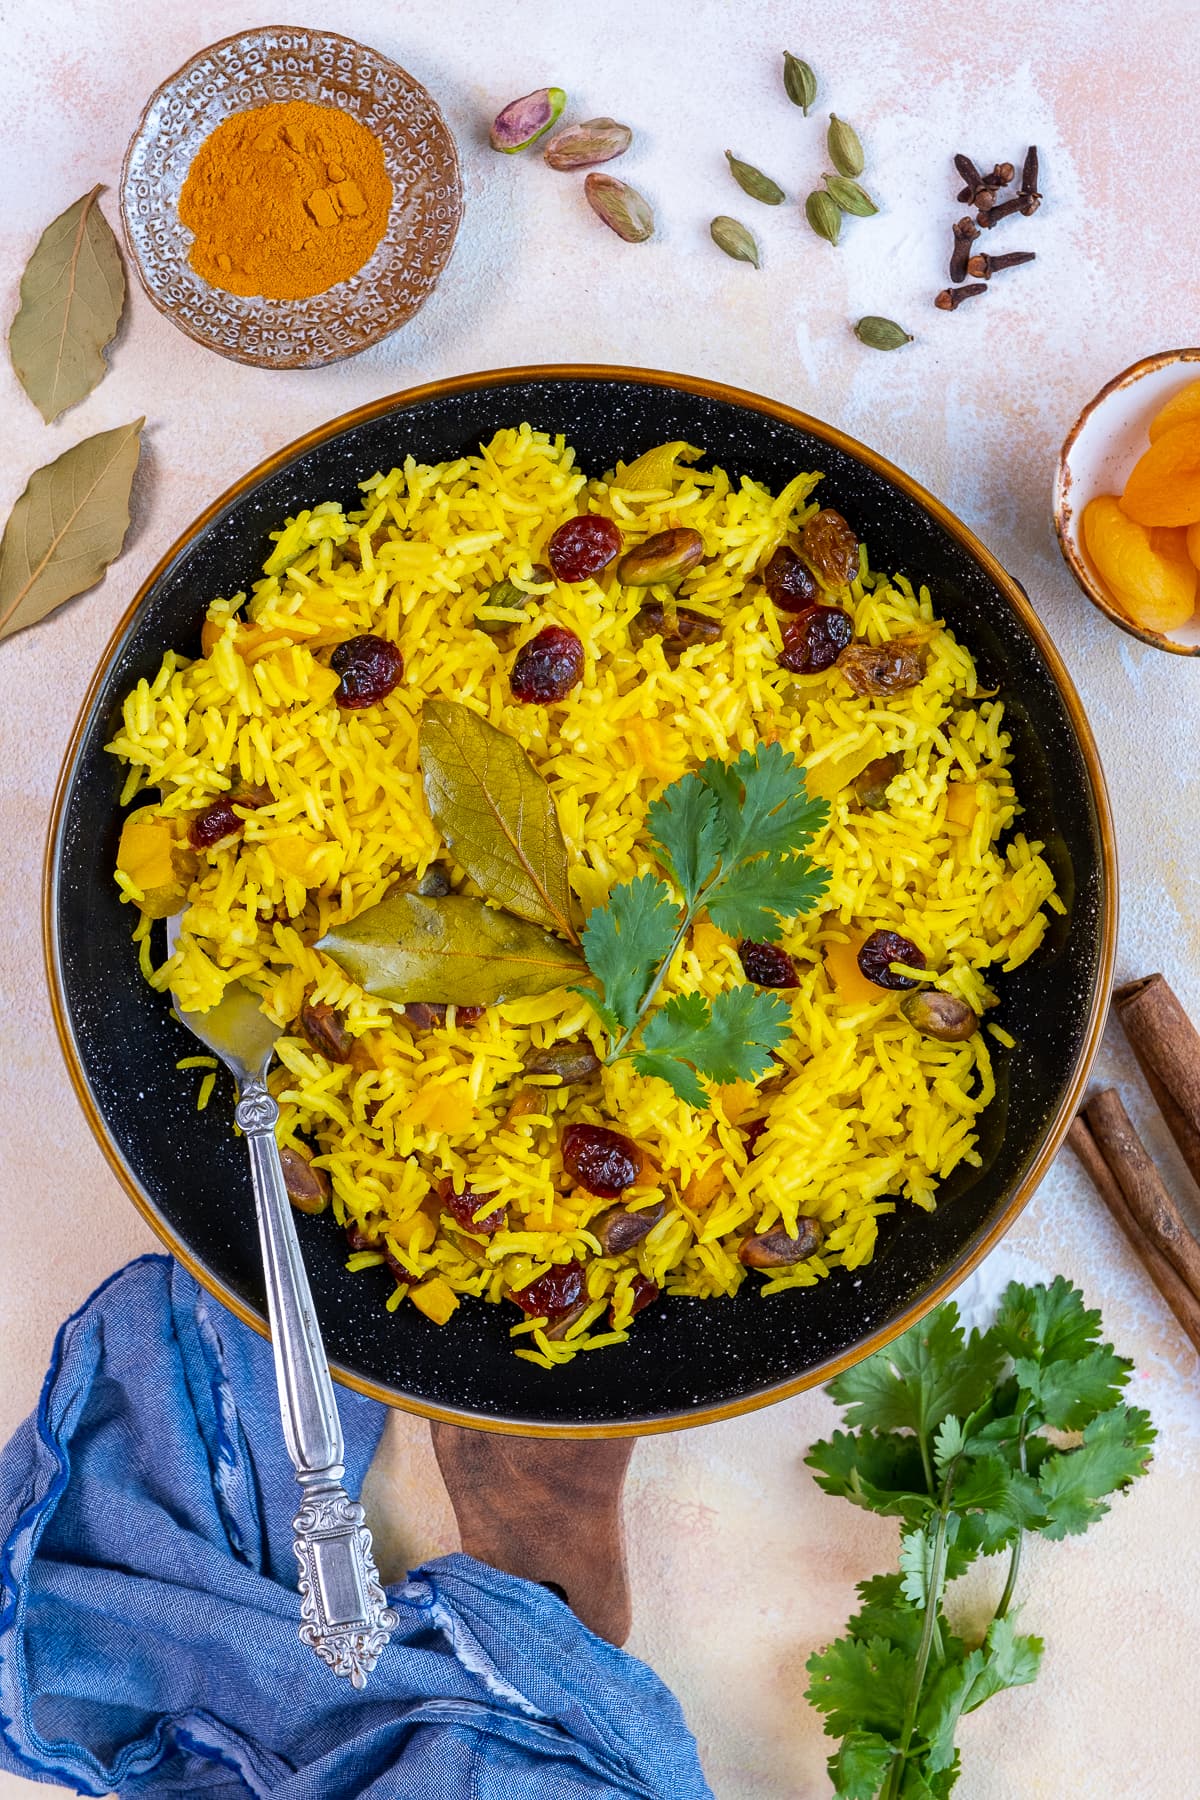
(547, 1509)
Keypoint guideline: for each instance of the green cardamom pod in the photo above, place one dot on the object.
(845, 151)
(820, 209)
(881, 334)
(850, 197)
(752, 181)
(799, 82)
(731, 236)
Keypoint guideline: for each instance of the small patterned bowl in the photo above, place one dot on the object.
(258, 68)
(1101, 448)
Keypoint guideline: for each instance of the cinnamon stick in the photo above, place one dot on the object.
(1167, 1045)
(1151, 1205)
(1174, 1290)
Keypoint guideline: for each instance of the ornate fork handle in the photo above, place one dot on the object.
(347, 1620)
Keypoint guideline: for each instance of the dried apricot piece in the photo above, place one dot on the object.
(1182, 408)
(1152, 578)
(1164, 487)
(1193, 543)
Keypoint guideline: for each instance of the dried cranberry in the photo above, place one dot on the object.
(883, 948)
(370, 668)
(364, 1237)
(752, 1130)
(430, 1015)
(557, 1291)
(814, 639)
(463, 1207)
(325, 1028)
(790, 583)
(547, 667)
(582, 547)
(831, 547)
(643, 1293)
(213, 822)
(766, 965)
(602, 1161)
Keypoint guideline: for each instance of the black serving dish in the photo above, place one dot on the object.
(687, 1361)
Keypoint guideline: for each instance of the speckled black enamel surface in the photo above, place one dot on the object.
(683, 1355)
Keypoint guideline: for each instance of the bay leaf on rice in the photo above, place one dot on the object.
(72, 297)
(450, 951)
(67, 526)
(496, 813)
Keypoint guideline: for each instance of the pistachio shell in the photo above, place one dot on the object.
(731, 236)
(525, 120)
(622, 208)
(580, 146)
(665, 557)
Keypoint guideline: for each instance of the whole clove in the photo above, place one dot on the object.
(1029, 182)
(965, 231)
(950, 299)
(984, 267)
(981, 190)
(994, 215)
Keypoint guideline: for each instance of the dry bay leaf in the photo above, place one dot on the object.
(496, 813)
(72, 295)
(450, 951)
(67, 526)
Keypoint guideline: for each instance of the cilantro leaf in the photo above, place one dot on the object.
(943, 1698)
(1007, 1500)
(925, 1375)
(763, 803)
(923, 1784)
(625, 941)
(1075, 1484)
(1070, 1394)
(755, 898)
(1009, 1661)
(730, 1040)
(948, 1443)
(685, 825)
(679, 1076)
(885, 1613)
(916, 1565)
(878, 1470)
(860, 1687)
(1046, 1323)
(859, 1768)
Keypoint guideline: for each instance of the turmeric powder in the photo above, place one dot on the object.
(285, 201)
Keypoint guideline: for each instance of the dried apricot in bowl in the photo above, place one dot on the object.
(1148, 569)
(1164, 486)
(1182, 408)
(1193, 543)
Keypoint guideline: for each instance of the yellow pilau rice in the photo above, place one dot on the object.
(868, 1113)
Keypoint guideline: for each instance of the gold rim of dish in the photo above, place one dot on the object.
(1013, 592)
(1064, 506)
(232, 352)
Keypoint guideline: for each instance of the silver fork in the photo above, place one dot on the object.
(347, 1619)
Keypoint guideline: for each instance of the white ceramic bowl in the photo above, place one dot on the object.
(1102, 446)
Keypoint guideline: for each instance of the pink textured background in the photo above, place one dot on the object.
(740, 1566)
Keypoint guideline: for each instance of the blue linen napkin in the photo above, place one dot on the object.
(149, 1614)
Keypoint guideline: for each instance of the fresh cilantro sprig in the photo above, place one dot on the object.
(731, 838)
(950, 1438)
